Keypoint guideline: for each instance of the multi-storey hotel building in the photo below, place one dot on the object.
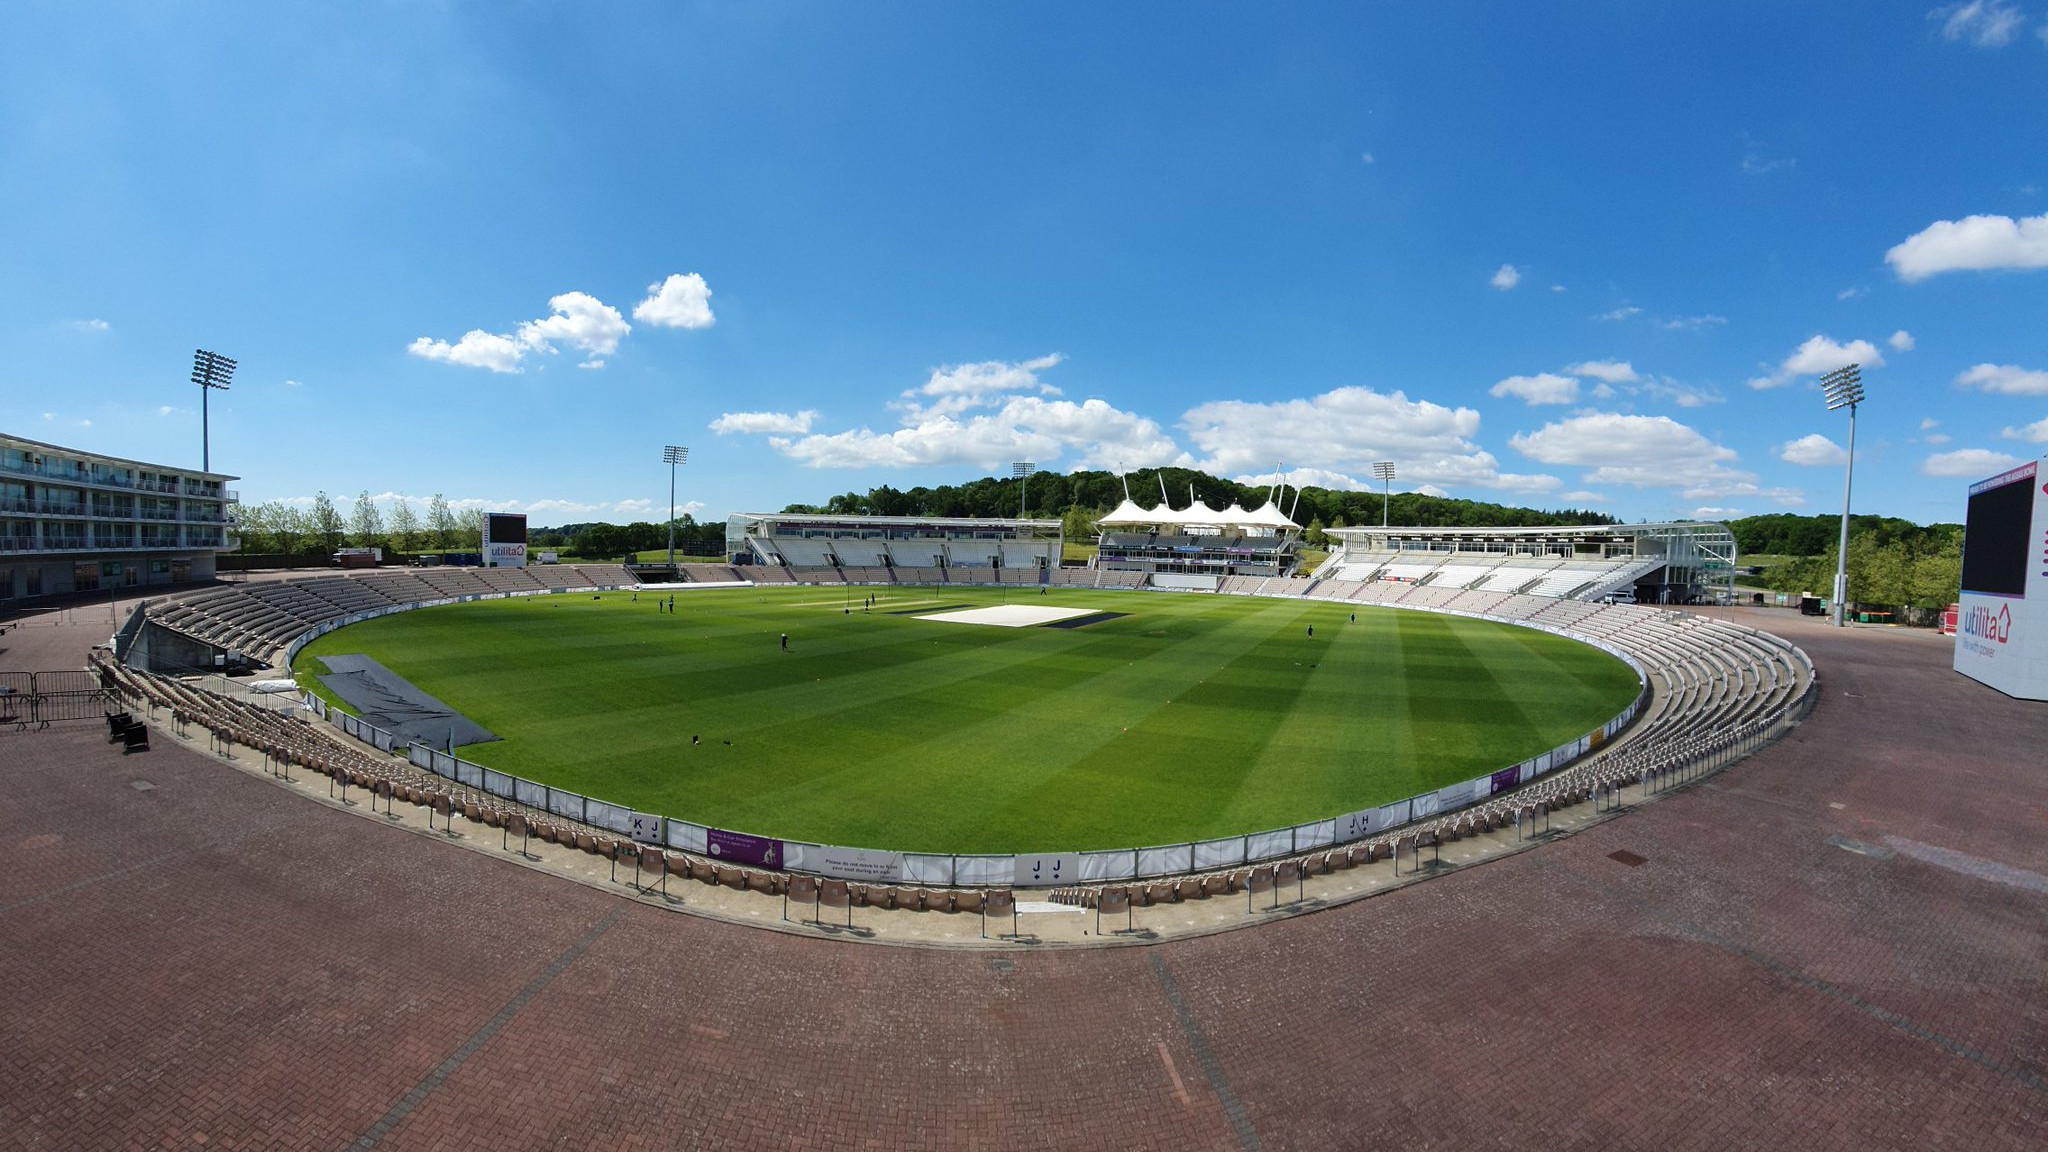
(74, 521)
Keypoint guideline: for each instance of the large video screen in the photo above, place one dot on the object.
(500, 528)
(1996, 544)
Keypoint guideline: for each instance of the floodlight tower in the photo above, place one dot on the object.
(209, 371)
(1021, 472)
(673, 456)
(1384, 470)
(1844, 389)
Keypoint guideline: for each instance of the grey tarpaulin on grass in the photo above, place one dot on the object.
(384, 699)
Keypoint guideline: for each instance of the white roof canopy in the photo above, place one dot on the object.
(1197, 515)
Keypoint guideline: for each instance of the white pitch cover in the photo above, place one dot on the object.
(2002, 641)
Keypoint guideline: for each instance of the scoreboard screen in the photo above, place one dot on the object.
(504, 540)
(1998, 539)
(505, 528)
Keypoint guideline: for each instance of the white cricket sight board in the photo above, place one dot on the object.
(2002, 621)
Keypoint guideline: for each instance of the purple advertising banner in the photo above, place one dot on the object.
(740, 848)
(1506, 778)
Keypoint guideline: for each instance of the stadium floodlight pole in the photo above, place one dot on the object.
(672, 456)
(1384, 469)
(209, 371)
(1844, 389)
(1021, 472)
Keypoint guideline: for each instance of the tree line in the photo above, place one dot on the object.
(275, 528)
(1079, 498)
(1893, 563)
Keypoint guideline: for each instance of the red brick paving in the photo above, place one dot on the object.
(215, 958)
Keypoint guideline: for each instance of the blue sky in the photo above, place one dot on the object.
(1584, 254)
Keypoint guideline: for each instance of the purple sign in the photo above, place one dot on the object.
(740, 848)
(1506, 778)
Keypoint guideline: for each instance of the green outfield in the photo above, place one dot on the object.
(1187, 717)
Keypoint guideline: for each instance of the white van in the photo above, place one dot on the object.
(1624, 596)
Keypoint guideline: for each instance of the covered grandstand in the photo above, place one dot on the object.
(1691, 563)
(876, 547)
(1198, 546)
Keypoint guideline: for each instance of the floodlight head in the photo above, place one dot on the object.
(674, 455)
(210, 370)
(1383, 469)
(1843, 387)
(1022, 469)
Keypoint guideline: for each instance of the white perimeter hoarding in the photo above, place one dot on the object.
(2002, 624)
(504, 540)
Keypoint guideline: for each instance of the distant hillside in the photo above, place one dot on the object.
(1074, 495)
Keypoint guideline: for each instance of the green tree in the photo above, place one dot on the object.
(327, 523)
(469, 530)
(442, 523)
(405, 526)
(365, 523)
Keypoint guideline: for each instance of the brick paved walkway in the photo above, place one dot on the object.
(1841, 943)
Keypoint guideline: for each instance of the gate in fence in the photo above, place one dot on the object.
(44, 698)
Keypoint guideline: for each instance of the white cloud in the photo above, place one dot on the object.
(1927, 422)
(2036, 433)
(1559, 288)
(1937, 438)
(1815, 451)
(1644, 452)
(1616, 440)
(476, 349)
(580, 320)
(1542, 388)
(1582, 496)
(1344, 431)
(1984, 23)
(1506, 277)
(1968, 463)
(293, 384)
(1819, 355)
(1683, 395)
(94, 326)
(1023, 428)
(953, 389)
(1315, 478)
(1365, 158)
(2006, 378)
(681, 301)
(1714, 512)
(1901, 341)
(1668, 323)
(786, 423)
(1691, 323)
(1849, 293)
(1612, 371)
(1974, 243)
(985, 414)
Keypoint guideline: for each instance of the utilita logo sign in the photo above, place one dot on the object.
(1985, 624)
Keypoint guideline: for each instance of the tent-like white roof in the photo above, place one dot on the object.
(1269, 515)
(1127, 512)
(1197, 515)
